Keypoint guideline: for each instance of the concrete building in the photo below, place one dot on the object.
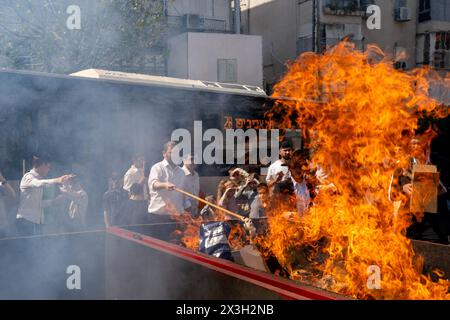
(227, 58)
(397, 36)
(275, 21)
(204, 43)
(322, 23)
(336, 19)
(413, 32)
(433, 34)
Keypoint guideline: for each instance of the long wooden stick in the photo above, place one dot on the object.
(210, 204)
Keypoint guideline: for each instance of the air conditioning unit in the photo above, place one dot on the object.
(402, 14)
(194, 22)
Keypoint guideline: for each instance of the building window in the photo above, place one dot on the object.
(341, 4)
(333, 33)
(442, 41)
(441, 58)
(227, 70)
(401, 11)
(424, 10)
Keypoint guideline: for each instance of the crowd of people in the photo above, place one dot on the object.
(136, 199)
(37, 199)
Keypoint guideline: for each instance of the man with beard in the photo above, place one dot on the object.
(165, 201)
(279, 171)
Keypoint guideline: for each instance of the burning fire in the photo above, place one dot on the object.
(188, 230)
(354, 106)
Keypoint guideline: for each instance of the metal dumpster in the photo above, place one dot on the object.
(117, 263)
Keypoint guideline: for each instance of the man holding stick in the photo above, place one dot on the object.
(164, 177)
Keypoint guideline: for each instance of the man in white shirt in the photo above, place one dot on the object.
(30, 213)
(192, 182)
(135, 174)
(164, 200)
(279, 171)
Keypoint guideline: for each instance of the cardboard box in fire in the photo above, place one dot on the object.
(425, 181)
(249, 256)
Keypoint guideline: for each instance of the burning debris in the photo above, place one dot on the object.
(332, 214)
(354, 108)
(355, 132)
(194, 232)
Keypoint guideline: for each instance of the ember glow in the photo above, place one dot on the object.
(354, 106)
(188, 231)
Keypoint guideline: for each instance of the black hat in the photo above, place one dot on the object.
(286, 144)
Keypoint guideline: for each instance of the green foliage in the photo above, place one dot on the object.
(117, 35)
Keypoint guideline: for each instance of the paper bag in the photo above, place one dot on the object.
(425, 181)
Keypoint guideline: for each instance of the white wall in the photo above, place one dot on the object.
(275, 21)
(203, 50)
(177, 64)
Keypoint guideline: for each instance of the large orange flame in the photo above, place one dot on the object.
(354, 105)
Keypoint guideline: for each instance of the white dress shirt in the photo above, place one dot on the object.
(132, 176)
(31, 192)
(164, 201)
(275, 168)
(192, 185)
